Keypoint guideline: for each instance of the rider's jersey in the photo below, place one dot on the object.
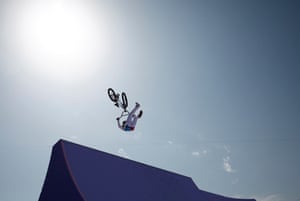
(128, 128)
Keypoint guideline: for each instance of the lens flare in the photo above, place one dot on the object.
(59, 40)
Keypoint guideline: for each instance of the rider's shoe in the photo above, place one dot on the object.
(140, 114)
(116, 104)
(137, 104)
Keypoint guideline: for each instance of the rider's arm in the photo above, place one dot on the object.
(118, 119)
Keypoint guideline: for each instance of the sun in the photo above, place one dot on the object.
(60, 40)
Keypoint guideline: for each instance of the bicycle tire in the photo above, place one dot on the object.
(124, 101)
(112, 95)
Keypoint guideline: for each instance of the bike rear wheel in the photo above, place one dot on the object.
(124, 100)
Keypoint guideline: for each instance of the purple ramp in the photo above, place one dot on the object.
(78, 173)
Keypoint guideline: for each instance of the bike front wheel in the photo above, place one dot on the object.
(112, 95)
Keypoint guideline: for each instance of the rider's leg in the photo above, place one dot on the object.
(140, 114)
(137, 105)
(131, 122)
(132, 118)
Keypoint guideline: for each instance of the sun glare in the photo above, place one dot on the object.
(60, 40)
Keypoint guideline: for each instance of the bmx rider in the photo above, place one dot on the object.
(132, 118)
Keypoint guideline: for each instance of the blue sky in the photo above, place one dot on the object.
(218, 82)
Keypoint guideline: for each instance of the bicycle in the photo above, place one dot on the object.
(123, 102)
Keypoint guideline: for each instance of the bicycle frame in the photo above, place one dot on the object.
(120, 103)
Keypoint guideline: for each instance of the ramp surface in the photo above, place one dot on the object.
(78, 173)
